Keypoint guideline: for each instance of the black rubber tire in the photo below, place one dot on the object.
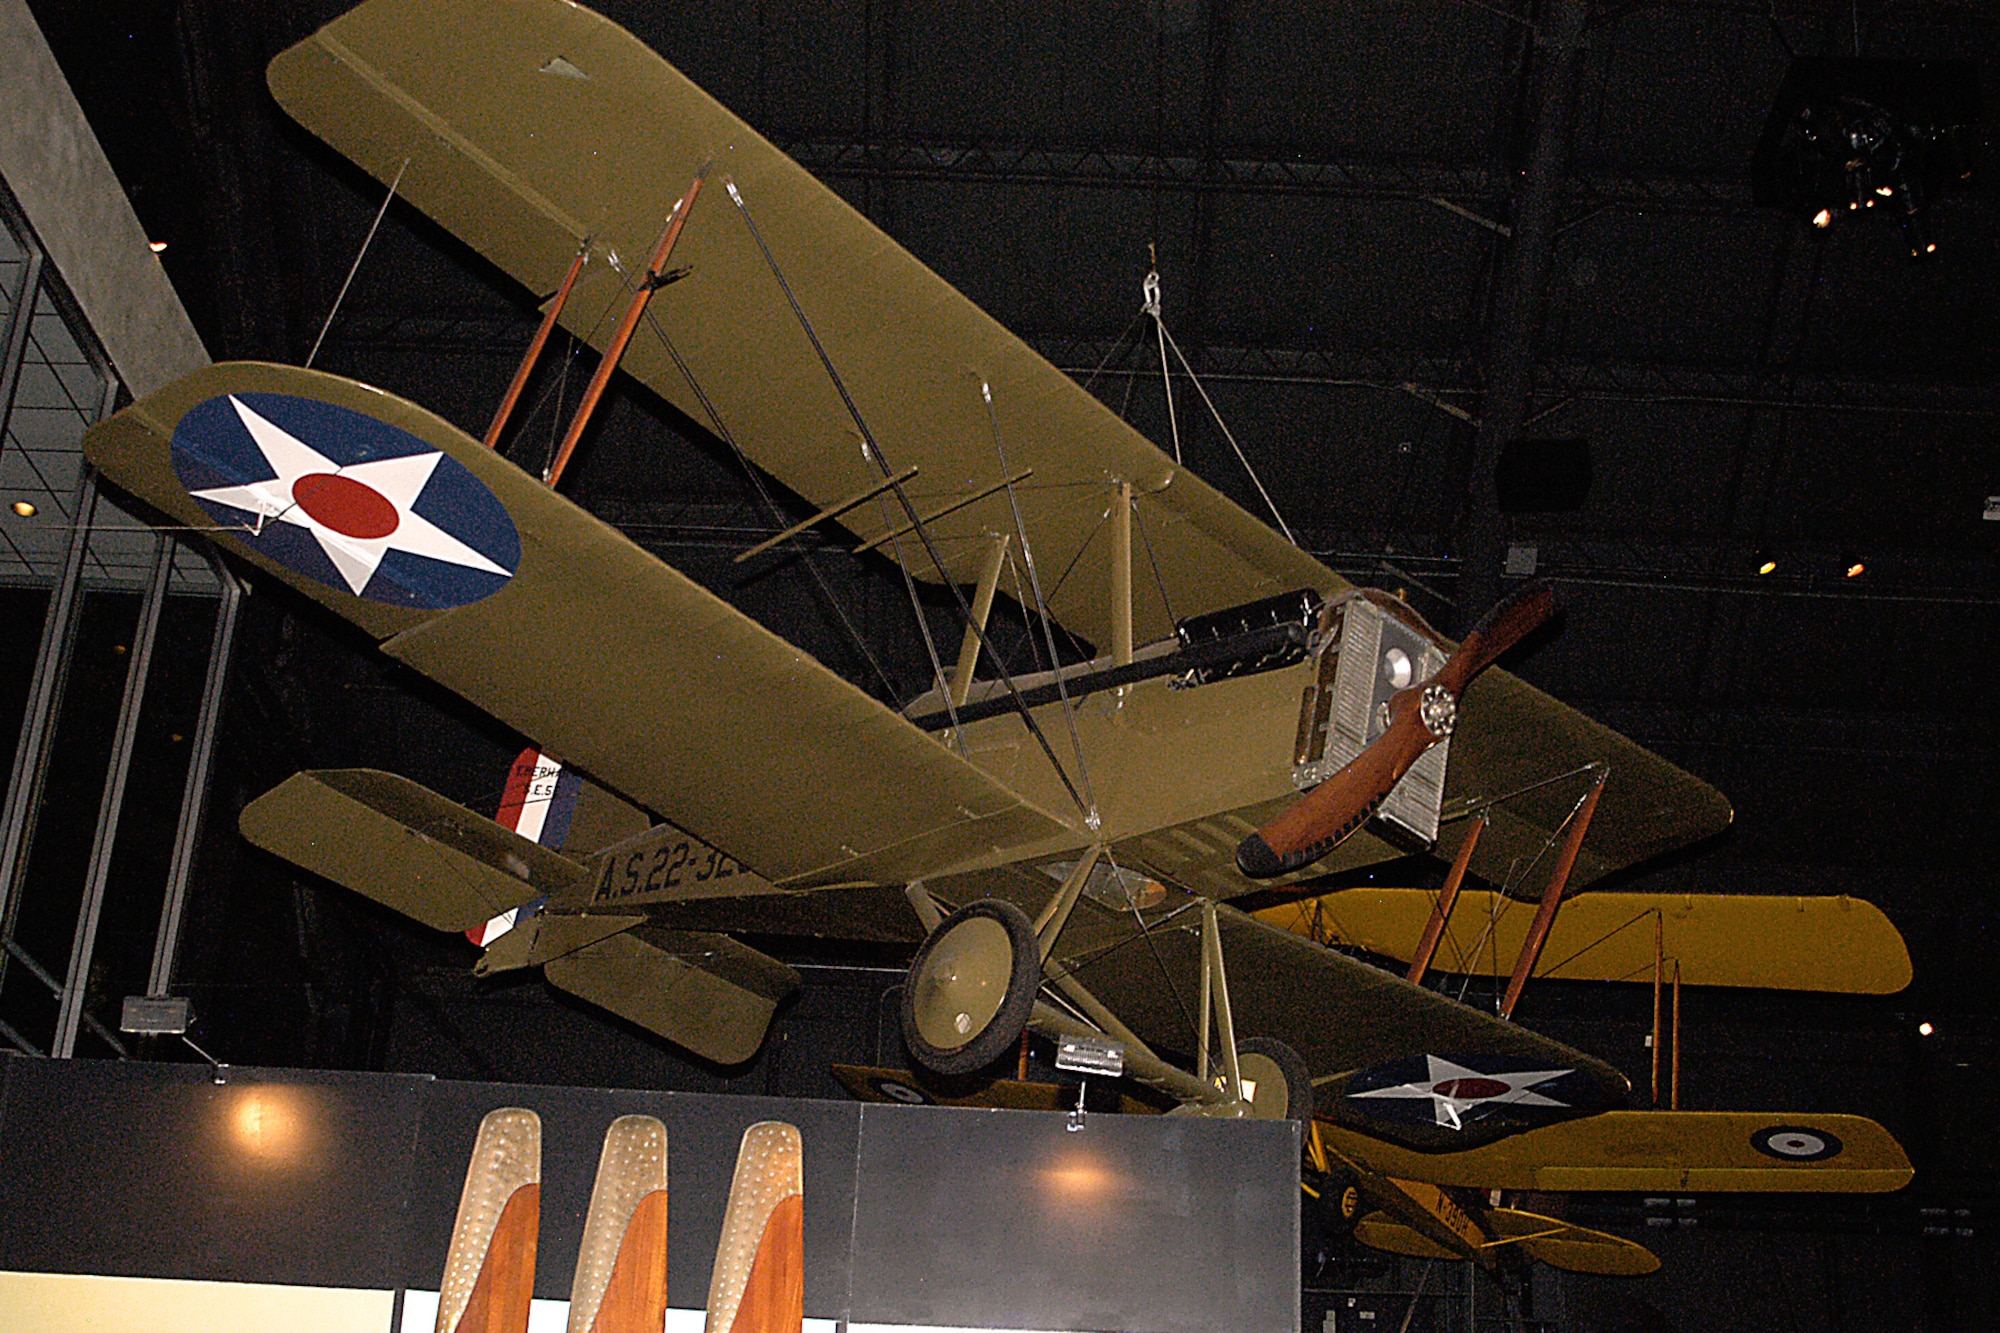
(1339, 1206)
(1003, 1031)
(1298, 1078)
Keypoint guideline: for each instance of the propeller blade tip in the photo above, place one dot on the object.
(1256, 860)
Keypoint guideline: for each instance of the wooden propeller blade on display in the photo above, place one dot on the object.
(489, 1271)
(759, 1281)
(621, 1267)
(1419, 717)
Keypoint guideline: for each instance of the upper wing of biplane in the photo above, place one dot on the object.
(552, 131)
(549, 128)
(480, 577)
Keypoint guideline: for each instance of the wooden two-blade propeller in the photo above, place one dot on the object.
(1419, 717)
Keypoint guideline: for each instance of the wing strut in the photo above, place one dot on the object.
(656, 278)
(881, 461)
(1447, 896)
(534, 352)
(1545, 915)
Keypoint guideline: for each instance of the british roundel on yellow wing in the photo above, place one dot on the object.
(345, 499)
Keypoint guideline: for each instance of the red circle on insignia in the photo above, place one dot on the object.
(350, 508)
(1471, 1089)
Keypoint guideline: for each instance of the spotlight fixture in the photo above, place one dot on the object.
(1856, 570)
(1846, 133)
(25, 508)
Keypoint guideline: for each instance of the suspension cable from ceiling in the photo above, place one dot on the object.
(355, 267)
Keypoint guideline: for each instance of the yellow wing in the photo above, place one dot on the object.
(1718, 1151)
(1713, 939)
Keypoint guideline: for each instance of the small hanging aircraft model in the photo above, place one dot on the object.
(1065, 842)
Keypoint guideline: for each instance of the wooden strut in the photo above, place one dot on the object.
(1659, 974)
(1674, 1087)
(1447, 898)
(534, 352)
(1121, 576)
(982, 608)
(1545, 915)
(627, 326)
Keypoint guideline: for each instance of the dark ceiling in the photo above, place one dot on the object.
(1329, 188)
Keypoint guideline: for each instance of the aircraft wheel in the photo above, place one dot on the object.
(1339, 1204)
(1284, 1088)
(971, 988)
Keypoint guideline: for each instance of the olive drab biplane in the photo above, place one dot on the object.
(1062, 845)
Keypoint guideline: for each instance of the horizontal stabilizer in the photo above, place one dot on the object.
(1553, 1242)
(1577, 1249)
(1809, 944)
(705, 992)
(1384, 1232)
(1693, 1151)
(405, 846)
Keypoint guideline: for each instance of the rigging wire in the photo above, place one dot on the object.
(728, 437)
(1223, 426)
(1139, 918)
(1159, 579)
(1042, 608)
(873, 451)
(1151, 289)
(355, 267)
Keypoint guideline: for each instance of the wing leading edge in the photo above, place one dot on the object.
(526, 166)
(609, 657)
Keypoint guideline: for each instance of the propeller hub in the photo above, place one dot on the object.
(1438, 709)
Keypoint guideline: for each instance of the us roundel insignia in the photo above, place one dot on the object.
(1795, 1143)
(346, 500)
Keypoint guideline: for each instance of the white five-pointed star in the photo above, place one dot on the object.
(398, 480)
(1446, 1105)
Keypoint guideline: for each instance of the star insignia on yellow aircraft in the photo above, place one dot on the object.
(1454, 1089)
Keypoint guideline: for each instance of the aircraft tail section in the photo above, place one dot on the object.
(408, 848)
(1547, 1239)
(403, 845)
(703, 991)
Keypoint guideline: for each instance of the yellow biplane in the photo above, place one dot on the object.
(1062, 842)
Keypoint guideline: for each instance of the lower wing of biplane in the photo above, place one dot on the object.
(806, 796)
(1833, 944)
(479, 576)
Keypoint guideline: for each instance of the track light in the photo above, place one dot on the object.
(1845, 134)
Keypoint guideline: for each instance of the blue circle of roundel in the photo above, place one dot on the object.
(346, 500)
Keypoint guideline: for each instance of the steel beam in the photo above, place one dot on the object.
(1517, 311)
(83, 946)
(20, 323)
(194, 794)
(45, 693)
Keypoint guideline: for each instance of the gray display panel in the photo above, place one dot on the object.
(149, 1170)
(930, 1216)
(1006, 1219)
